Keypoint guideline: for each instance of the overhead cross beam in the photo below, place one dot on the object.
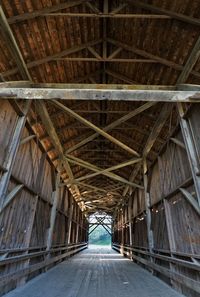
(161, 13)
(102, 92)
(115, 167)
(113, 125)
(95, 188)
(92, 167)
(111, 15)
(94, 127)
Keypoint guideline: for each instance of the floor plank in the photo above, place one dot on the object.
(96, 272)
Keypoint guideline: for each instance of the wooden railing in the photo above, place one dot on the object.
(55, 254)
(148, 259)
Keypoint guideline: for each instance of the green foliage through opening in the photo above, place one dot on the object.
(100, 237)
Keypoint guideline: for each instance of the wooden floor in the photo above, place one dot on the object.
(96, 272)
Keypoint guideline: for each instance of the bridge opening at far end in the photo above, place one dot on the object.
(100, 224)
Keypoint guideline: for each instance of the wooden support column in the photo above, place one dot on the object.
(70, 219)
(77, 227)
(169, 223)
(122, 232)
(11, 153)
(55, 199)
(147, 206)
(191, 149)
(130, 224)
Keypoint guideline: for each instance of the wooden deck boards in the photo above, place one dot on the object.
(95, 273)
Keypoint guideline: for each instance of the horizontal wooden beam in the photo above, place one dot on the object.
(108, 15)
(145, 54)
(173, 14)
(54, 57)
(13, 276)
(100, 59)
(49, 9)
(101, 92)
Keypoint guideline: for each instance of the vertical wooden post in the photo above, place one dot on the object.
(130, 224)
(191, 150)
(169, 223)
(147, 206)
(130, 221)
(12, 152)
(55, 199)
(77, 227)
(168, 215)
(70, 219)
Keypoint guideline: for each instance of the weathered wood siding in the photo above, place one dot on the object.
(174, 221)
(25, 222)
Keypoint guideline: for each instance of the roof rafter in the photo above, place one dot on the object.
(54, 57)
(172, 14)
(46, 120)
(43, 11)
(13, 47)
(148, 55)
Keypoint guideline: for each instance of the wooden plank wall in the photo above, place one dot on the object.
(175, 222)
(25, 222)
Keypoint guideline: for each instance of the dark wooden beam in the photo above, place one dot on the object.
(46, 10)
(173, 14)
(190, 63)
(12, 46)
(55, 57)
(148, 55)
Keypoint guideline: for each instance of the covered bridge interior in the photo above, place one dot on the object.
(100, 113)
